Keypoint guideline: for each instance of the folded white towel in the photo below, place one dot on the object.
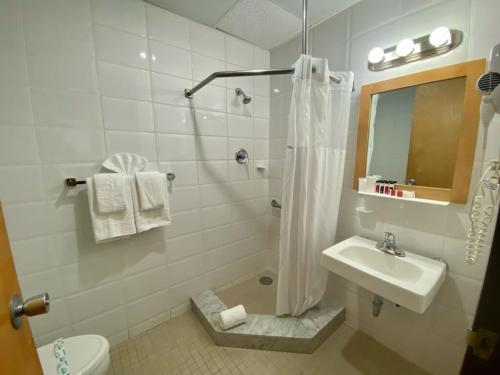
(110, 192)
(151, 189)
(232, 317)
(149, 219)
(114, 225)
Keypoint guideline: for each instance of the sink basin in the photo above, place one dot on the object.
(411, 281)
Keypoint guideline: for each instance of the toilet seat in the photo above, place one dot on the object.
(87, 355)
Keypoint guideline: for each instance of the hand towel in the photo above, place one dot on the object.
(232, 317)
(110, 192)
(114, 225)
(145, 220)
(151, 189)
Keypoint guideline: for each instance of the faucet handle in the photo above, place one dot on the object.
(389, 237)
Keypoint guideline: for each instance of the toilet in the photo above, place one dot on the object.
(87, 355)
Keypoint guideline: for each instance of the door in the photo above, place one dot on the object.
(483, 354)
(435, 132)
(18, 354)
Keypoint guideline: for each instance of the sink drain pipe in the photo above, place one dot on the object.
(377, 305)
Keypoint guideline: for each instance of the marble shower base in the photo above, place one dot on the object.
(268, 332)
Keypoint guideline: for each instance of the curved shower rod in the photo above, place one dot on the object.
(188, 93)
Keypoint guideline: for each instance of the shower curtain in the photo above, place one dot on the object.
(312, 182)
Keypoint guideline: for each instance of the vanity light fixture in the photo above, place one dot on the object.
(440, 41)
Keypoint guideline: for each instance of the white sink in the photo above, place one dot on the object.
(411, 281)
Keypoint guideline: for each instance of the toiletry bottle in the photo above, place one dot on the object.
(377, 186)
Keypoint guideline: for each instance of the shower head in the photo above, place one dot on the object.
(246, 99)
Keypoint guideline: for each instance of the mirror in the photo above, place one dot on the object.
(420, 130)
(414, 133)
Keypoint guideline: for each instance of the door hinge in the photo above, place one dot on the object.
(482, 342)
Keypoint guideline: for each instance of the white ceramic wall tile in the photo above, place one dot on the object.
(184, 198)
(207, 41)
(183, 247)
(203, 66)
(70, 145)
(236, 106)
(215, 194)
(183, 223)
(139, 143)
(15, 106)
(168, 27)
(48, 322)
(212, 171)
(170, 59)
(209, 123)
(21, 184)
(120, 47)
(107, 324)
(66, 108)
(145, 283)
(186, 172)
(211, 148)
(186, 269)
(123, 82)
(239, 52)
(261, 128)
(123, 114)
(240, 126)
(147, 307)
(121, 14)
(173, 119)
(18, 146)
(211, 98)
(176, 147)
(170, 90)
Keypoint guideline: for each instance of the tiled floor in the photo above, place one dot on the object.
(181, 346)
(257, 298)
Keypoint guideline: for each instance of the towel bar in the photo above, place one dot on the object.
(72, 182)
(275, 204)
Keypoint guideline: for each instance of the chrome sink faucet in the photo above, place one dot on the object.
(388, 245)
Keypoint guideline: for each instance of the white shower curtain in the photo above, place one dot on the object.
(312, 182)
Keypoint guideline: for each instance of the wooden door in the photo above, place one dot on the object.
(435, 132)
(483, 354)
(18, 355)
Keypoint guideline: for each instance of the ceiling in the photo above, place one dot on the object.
(266, 23)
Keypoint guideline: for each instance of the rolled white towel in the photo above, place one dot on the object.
(232, 317)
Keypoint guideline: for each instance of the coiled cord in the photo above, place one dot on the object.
(481, 217)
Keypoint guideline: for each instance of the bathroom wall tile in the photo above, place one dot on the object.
(66, 108)
(261, 58)
(70, 145)
(261, 149)
(241, 171)
(207, 41)
(234, 144)
(184, 198)
(239, 52)
(186, 172)
(236, 106)
(145, 283)
(261, 128)
(209, 123)
(168, 27)
(108, 324)
(147, 308)
(183, 247)
(121, 14)
(15, 106)
(122, 82)
(217, 237)
(21, 184)
(120, 47)
(13, 69)
(51, 280)
(18, 146)
(46, 323)
(147, 257)
(169, 59)
(28, 220)
(203, 66)
(95, 301)
(186, 269)
(60, 69)
(211, 148)
(244, 83)
(261, 106)
(212, 171)
(33, 255)
(211, 97)
(240, 126)
(183, 223)
(242, 190)
(139, 143)
(215, 216)
(174, 120)
(170, 90)
(176, 147)
(181, 293)
(215, 194)
(261, 86)
(123, 114)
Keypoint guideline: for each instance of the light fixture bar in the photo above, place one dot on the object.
(423, 49)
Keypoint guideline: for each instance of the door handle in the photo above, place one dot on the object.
(36, 305)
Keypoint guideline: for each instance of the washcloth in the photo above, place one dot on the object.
(110, 192)
(125, 163)
(151, 189)
(149, 219)
(113, 225)
(232, 317)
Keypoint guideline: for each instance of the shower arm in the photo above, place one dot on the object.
(188, 93)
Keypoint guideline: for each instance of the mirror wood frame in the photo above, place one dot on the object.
(468, 131)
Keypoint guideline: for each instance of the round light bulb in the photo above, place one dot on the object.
(405, 47)
(376, 55)
(440, 36)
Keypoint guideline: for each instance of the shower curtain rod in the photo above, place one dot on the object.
(188, 93)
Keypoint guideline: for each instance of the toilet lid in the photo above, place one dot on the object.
(85, 353)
